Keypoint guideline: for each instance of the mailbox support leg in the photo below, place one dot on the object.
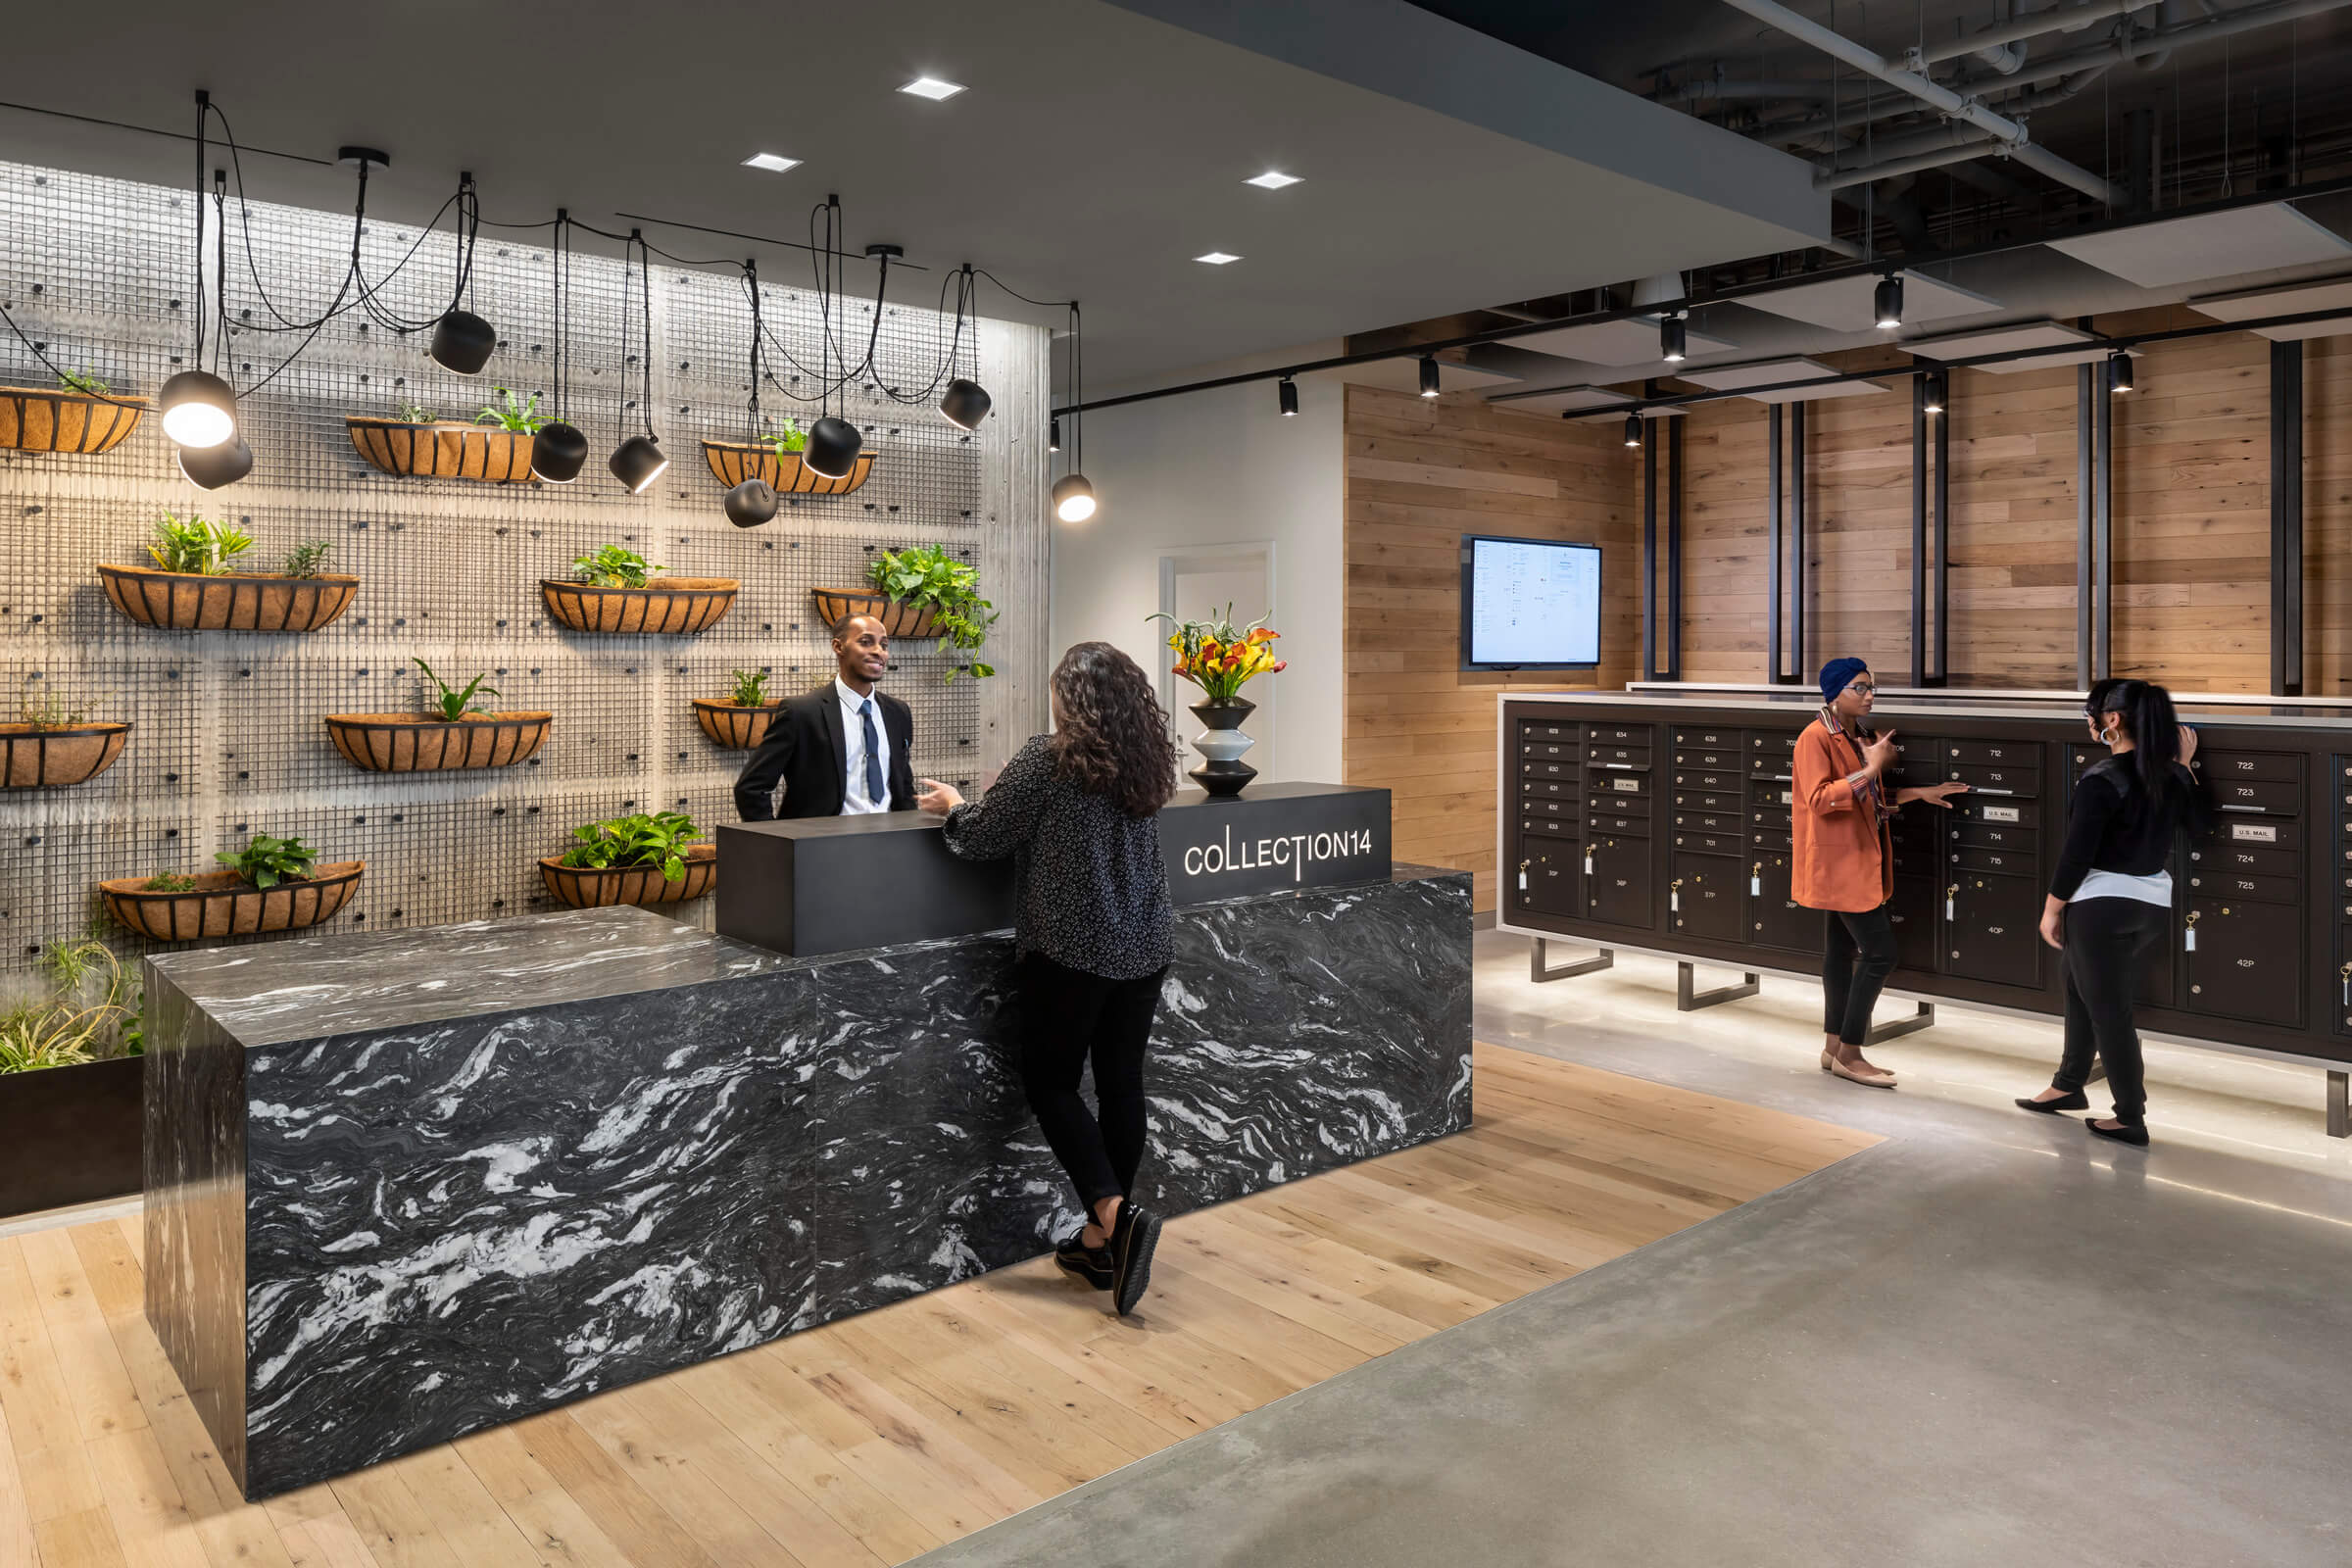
(2339, 1112)
(1688, 999)
(1881, 1033)
(1539, 972)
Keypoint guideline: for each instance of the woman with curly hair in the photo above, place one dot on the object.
(1077, 811)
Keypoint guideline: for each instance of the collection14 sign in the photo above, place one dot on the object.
(1265, 842)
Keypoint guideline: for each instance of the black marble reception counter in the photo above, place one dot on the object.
(406, 1185)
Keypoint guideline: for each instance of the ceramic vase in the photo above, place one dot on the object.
(1221, 744)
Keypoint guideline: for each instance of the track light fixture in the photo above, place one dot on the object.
(1287, 391)
(216, 467)
(1053, 436)
(1672, 340)
(2119, 373)
(638, 460)
(1887, 302)
(1429, 375)
(1632, 429)
(1073, 495)
(1933, 401)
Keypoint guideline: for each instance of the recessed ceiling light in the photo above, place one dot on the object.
(933, 88)
(1272, 181)
(773, 163)
(1216, 258)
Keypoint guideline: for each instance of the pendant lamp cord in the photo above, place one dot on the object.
(645, 288)
(1077, 394)
(620, 412)
(750, 277)
(203, 107)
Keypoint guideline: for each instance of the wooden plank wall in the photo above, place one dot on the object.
(1422, 472)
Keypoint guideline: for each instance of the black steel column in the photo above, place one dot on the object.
(2286, 519)
(1774, 670)
(1799, 669)
(2102, 537)
(1919, 530)
(1674, 549)
(1941, 544)
(2086, 437)
(1649, 549)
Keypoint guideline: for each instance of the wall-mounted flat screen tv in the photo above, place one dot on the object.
(1530, 604)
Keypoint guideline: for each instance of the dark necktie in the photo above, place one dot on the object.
(873, 754)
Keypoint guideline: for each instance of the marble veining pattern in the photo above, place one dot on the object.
(687, 1147)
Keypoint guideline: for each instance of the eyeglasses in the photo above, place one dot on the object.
(1864, 688)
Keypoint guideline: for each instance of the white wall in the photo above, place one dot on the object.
(1219, 468)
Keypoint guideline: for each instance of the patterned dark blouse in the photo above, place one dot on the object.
(1090, 890)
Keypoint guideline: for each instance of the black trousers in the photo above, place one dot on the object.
(2105, 938)
(1067, 1018)
(1857, 955)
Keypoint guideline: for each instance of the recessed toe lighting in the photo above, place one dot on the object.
(773, 163)
(1216, 258)
(1272, 180)
(933, 88)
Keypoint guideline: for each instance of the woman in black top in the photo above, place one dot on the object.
(2112, 894)
(1077, 811)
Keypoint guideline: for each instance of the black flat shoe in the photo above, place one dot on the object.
(1132, 1239)
(2136, 1136)
(1082, 1262)
(2073, 1102)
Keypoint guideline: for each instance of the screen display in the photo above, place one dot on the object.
(1530, 604)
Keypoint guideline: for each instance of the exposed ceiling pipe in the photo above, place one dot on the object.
(1975, 144)
(2031, 24)
(1717, 90)
(2007, 57)
(2169, 14)
(2008, 133)
(2165, 38)
(1938, 146)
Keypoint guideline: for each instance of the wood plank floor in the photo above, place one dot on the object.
(872, 1439)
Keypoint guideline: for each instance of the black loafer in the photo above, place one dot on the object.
(1082, 1262)
(1131, 1240)
(2073, 1102)
(2136, 1136)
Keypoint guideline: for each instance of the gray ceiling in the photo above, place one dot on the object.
(1099, 147)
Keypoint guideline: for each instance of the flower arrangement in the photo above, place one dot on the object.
(1219, 657)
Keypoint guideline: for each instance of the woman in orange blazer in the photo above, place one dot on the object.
(1842, 862)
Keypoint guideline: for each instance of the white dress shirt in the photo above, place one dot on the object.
(854, 801)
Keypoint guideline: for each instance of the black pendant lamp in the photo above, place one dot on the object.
(200, 409)
(1073, 495)
(216, 467)
(833, 447)
(462, 340)
(754, 501)
(966, 402)
(833, 441)
(639, 459)
(559, 450)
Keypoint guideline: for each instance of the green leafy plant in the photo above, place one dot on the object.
(415, 414)
(47, 708)
(930, 577)
(84, 382)
(790, 438)
(91, 1013)
(454, 703)
(196, 545)
(654, 838)
(751, 687)
(509, 415)
(615, 567)
(265, 861)
(306, 558)
(169, 882)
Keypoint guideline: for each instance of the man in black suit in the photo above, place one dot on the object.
(840, 750)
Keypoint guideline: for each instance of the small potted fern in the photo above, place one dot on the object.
(649, 857)
(82, 414)
(494, 448)
(919, 593)
(454, 733)
(614, 590)
(272, 883)
(777, 457)
(53, 744)
(740, 719)
(198, 584)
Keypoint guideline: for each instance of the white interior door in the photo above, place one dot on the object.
(1197, 585)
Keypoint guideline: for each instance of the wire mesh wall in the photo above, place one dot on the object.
(228, 735)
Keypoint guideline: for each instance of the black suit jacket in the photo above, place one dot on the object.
(807, 751)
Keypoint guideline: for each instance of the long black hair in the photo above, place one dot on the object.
(1113, 737)
(2146, 712)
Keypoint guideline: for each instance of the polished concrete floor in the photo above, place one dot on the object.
(1992, 1338)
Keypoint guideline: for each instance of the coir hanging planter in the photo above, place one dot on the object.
(676, 606)
(733, 461)
(33, 419)
(597, 887)
(443, 449)
(898, 617)
(37, 756)
(223, 904)
(190, 600)
(735, 725)
(407, 743)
